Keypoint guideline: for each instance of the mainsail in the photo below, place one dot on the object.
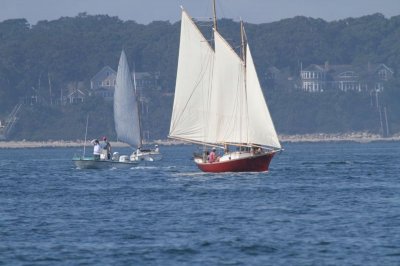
(193, 84)
(218, 97)
(126, 112)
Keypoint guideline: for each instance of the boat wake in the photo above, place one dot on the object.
(144, 167)
(191, 174)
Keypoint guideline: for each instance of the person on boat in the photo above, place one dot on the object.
(156, 148)
(105, 144)
(211, 157)
(96, 149)
(136, 154)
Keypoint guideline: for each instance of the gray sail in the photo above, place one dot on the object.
(126, 114)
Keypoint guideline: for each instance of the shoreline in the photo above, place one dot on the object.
(348, 137)
(16, 144)
(299, 138)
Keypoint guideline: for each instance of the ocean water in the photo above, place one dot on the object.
(320, 204)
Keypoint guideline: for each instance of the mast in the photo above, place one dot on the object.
(243, 51)
(215, 16)
(138, 106)
(244, 42)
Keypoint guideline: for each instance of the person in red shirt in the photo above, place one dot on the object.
(211, 157)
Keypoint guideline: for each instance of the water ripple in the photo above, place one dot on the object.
(320, 204)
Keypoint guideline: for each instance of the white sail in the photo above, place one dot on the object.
(218, 98)
(193, 84)
(126, 115)
(229, 103)
(261, 127)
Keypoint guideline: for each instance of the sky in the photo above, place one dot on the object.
(145, 11)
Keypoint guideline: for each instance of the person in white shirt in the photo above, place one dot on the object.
(96, 149)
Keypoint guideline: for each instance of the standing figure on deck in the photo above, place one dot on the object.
(106, 148)
(96, 149)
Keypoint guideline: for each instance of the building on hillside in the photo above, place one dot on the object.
(313, 78)
(76, 96)
(147, 81)
(103, 83)
(318, 78)
(74, 93)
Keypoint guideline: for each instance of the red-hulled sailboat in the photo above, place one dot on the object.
(219, 103)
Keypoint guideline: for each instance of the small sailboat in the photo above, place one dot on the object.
(127, 116)
(100, 161)
(127, 126)
(219, 103)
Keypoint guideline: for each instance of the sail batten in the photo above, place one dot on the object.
(126, 112)
(218, 97)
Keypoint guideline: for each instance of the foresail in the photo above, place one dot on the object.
(239, 112)
(193, 84)
(229, 114)
(126, 115)
(261, 127)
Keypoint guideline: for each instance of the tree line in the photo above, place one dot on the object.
(47, 56)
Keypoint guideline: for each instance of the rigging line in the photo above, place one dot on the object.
(197, 28)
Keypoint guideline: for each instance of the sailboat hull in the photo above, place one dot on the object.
(90, 163)
(255, 163)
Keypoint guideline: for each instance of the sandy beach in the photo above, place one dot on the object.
(320, 137)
